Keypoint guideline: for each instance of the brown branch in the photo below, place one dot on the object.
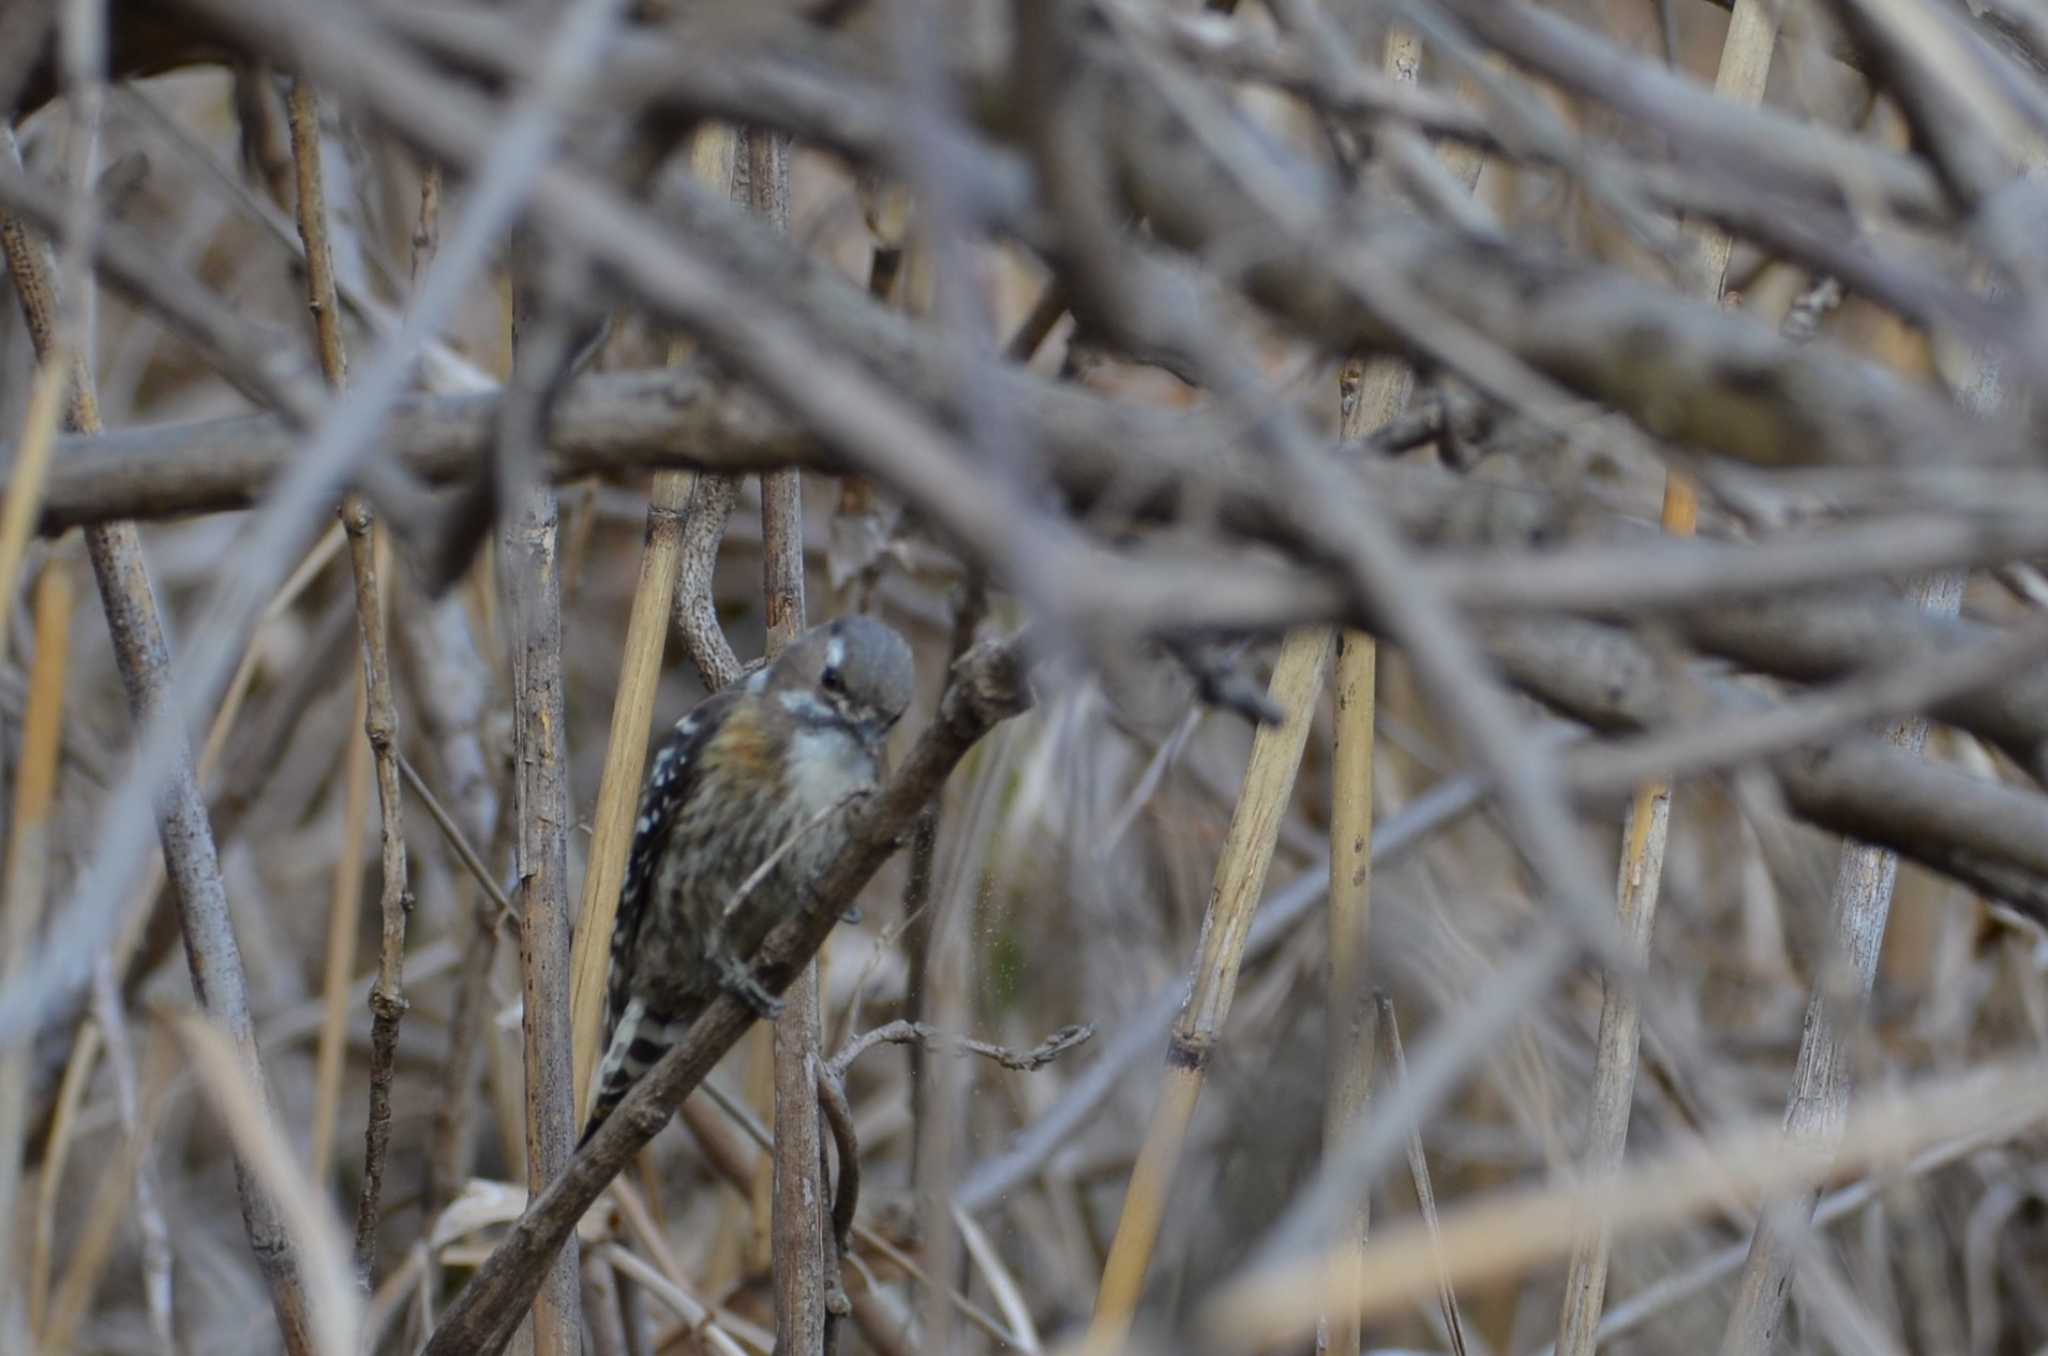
(380, 713)
(532, 591)
(1990, 836)
(988, 687)
(930, 1038)
(1800, 638)
(846, 1149)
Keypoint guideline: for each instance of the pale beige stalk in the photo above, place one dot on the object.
(1370, 395)
(625, 756)
(1234, 897)
(28, 857)
(1507, 1232)
(1745, 66)
(344, 911)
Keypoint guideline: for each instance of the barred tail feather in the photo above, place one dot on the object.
(639, 1039)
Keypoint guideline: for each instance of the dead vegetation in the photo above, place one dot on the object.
(1478, 782)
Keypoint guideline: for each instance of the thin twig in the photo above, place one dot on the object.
(380, 714)
(459, 842)
(938, 1042)
(370, 553)
(846, 1150)
(1425, 1194)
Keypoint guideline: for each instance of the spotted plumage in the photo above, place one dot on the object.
(768, 768)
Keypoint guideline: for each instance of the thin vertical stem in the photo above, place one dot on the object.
(1818, 1105)
(380, 712)
(25, 479)
(1240, 881)
(78, 1072)
(27, 874)
(1370, 395)
(625, 762)
(714, 160)
(1373, 393)
(1745, 66)
(625, 757)
(344, 909)
(1389, 1026)
(798, 1223)
(533, 605)
(369, 555)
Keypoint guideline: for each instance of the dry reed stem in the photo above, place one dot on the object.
(699, 1317)
(25, 477)
(245, 672)
(797, 1225)
(1371, 394)
(1239, 884)
(1744, 69)
(1509, 1231)
(191, 861)
(625, 761)
(369, 555)
(970, 609)
(316, 1232)
(93, 1248)
(543, 819)
(734, 1162)
(714, 159)
(1860, 908)
(1374, 394)
(1865, 877)
(27, 874)
(150, 1223)
(344, 910)
(78, 1070)
(948, 978)
(379, 711)
(1671, 1289)
(1425, 1194)
(625, 757)
(602, 1321)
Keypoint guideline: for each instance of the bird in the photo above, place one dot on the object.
(748, 798)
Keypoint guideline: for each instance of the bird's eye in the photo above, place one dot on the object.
(832, 680)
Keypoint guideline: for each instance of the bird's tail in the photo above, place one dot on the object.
(639, 1038)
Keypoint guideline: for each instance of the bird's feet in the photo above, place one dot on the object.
(736, 979)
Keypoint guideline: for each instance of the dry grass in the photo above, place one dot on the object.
(1076, 847)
